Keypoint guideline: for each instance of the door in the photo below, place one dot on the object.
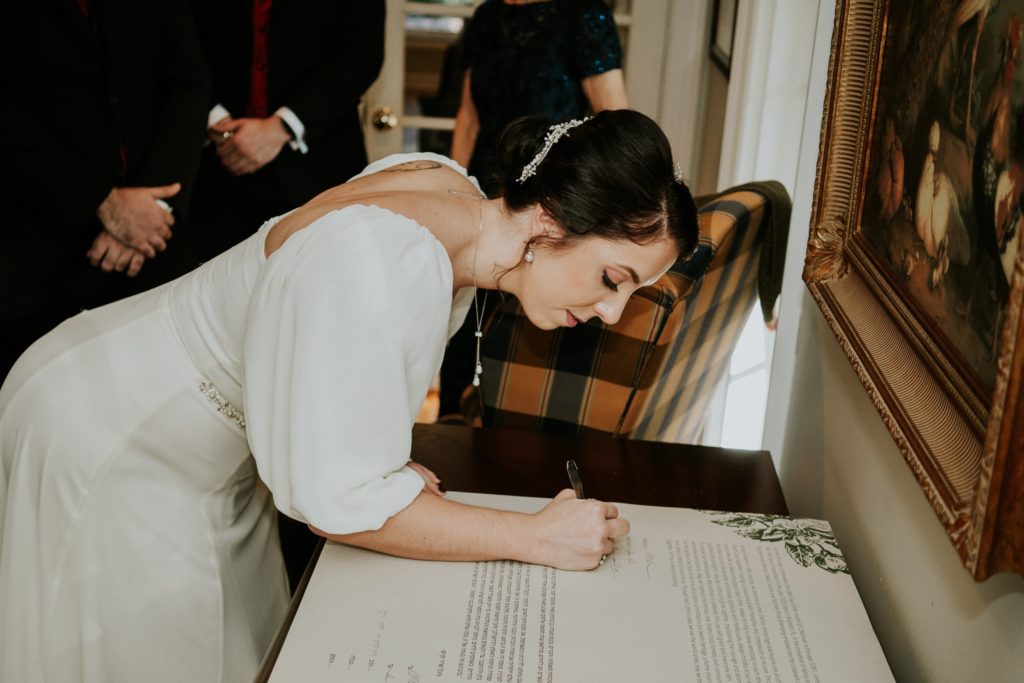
(408, 110)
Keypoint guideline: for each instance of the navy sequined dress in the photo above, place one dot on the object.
(530, 60)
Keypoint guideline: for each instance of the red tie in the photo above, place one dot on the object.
(260, 58)
(86, 7)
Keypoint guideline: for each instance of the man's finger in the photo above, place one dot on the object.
(135, 265)
(109, 262)
(123, 259)
(145, 247)
(96, 253)
(227, 152)
(162, 191)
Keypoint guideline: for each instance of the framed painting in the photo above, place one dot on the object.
(914, 254)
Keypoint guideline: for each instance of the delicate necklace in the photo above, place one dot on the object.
(478, 308)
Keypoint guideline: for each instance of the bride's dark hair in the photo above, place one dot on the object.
(611, 176)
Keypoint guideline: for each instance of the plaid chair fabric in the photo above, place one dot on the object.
(650, 376)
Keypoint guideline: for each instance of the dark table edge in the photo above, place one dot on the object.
(270, 658)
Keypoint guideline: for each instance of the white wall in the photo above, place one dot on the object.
(935, 623)
(838, 462)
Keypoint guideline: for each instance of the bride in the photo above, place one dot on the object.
(145, 443)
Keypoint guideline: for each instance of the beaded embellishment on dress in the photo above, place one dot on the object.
(223, 406)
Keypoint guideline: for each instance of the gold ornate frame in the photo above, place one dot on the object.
(965, 448)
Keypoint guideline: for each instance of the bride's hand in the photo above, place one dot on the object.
(575, 534)
(431, 482)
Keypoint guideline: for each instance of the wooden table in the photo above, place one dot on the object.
(523, 463)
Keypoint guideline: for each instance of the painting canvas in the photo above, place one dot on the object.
(945, 199)
(914, 254)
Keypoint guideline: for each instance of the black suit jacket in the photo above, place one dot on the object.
(323, 55)
(89, 108)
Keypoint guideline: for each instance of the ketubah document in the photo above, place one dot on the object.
(689, 595)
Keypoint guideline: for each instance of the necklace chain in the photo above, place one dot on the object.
(478, 308)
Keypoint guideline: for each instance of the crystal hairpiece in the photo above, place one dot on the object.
(677, 173)
(554, 134)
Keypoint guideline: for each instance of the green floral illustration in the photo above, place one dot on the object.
(808, 541)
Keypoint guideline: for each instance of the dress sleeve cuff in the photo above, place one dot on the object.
(294, 124)
(361, 508)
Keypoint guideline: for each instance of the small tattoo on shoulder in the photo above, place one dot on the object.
(413, 166)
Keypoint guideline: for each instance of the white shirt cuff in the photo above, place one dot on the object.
(216, 114)
(299, 130)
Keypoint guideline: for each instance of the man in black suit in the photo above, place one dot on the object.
(287, 79)
(104, 118)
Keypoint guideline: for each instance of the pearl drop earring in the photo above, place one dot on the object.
(529, 256)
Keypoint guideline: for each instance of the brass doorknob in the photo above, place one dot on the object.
(385, 119)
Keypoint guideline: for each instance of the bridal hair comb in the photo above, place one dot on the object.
(554, 134)
(677, 173)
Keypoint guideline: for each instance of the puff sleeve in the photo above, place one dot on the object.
(345, 330)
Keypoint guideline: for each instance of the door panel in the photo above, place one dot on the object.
(417, 34)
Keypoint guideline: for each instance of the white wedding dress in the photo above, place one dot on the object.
(137, 537)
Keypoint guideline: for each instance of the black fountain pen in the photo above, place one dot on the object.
(577, 486)
(574, 478)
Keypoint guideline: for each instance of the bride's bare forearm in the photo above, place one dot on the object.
(435, 528)
(568, 533)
